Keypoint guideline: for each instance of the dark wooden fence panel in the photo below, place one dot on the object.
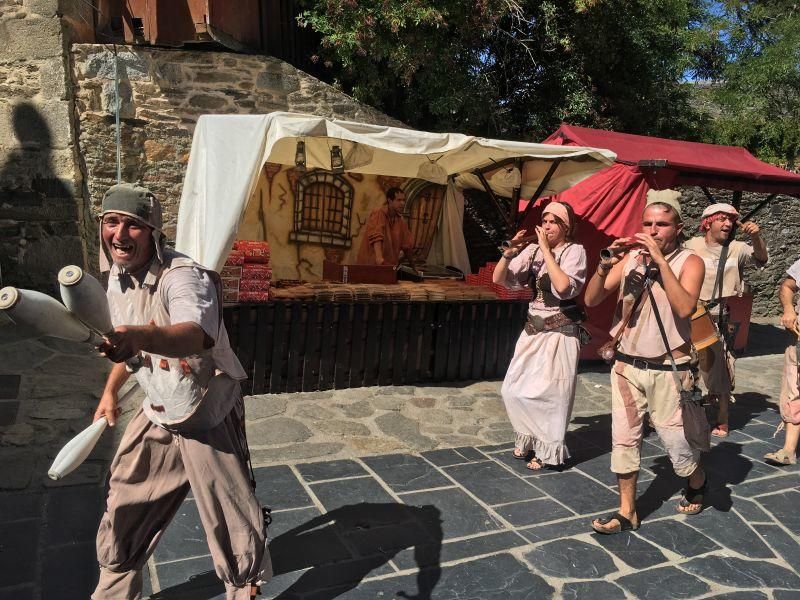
(344, 340)
(414, 342)
(294, 356)
(371, 352)
(359, 333)
(280, 344)
(298, 346)
(327, 359)
(311, 353)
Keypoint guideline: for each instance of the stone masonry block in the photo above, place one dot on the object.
(108, 99)
(133, 66)
(277, 81)
(57, 116)
(30, 39)
(53, 80)
(43, 8)
(206, 101)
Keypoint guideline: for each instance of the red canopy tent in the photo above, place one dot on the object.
(610, 203)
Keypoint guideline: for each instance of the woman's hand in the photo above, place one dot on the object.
(542, 240)
(517, 242)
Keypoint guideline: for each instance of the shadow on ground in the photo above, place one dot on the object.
(377, 532)
(766, 338)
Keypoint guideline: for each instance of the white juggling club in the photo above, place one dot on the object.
(85, 297)
(45, 315)
(77, 449)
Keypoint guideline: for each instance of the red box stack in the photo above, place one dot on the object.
(256, 276)
(484, 279)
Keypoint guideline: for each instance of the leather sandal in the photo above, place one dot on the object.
(780, 458)
(519, 455)
(534, 461)
(692, 496)
(623, 524)
(720, 430)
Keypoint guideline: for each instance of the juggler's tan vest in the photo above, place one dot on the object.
(190, 393)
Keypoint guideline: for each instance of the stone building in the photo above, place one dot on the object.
(58, 142)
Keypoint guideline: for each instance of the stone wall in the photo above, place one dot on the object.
(41, 215)
(780, 228)
(164, 92)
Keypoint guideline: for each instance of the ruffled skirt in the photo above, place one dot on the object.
(539, 391)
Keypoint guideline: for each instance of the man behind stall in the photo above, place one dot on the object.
(718, 223)
(387, 234)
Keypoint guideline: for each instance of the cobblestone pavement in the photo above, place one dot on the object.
(393, 492)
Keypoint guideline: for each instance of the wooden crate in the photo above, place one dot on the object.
(385, 274)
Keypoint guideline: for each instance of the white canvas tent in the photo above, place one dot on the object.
(229, 151)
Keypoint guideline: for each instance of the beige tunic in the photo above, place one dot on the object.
(636, 391)
(739, 256)
(197, 399)
(642, 337)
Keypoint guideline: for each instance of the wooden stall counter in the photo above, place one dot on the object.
(323, 336)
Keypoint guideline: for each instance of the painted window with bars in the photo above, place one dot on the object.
(322, 210)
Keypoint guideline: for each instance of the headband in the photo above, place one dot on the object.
(557, 209)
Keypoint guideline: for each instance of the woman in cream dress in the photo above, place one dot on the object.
(539, 387)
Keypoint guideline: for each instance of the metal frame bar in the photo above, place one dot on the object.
(494, 199)
(550, 172)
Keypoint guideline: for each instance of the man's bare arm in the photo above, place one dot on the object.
(684, 292)
(107, 407)
(176, 341)
(601, 286)
(786, 294)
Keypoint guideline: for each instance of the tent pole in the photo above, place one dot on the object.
(495, 201)
(737, 199)
(550, 172)
(708, 194)
(515, 195)
(760, 205)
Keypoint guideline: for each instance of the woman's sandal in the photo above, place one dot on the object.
(782, 458)
(519, 455)
(535, 464)
(692, 496)
(623, 524)
(720, 430)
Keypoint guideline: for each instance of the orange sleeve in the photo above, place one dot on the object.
(376, 226)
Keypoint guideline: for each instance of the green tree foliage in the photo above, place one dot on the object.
(516, 68)
(755, 62)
